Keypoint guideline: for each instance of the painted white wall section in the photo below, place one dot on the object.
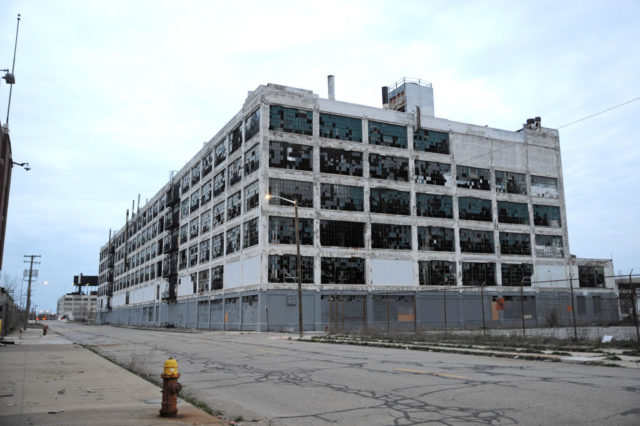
(251, 271)
(392, 272)
(233, 274)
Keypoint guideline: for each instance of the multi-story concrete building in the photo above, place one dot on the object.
(78, 306)
(403, 218)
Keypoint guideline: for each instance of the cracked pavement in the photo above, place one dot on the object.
(267, 378)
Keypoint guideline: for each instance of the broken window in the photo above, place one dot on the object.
(234, 172)
(591, 276)
(342, 270)
(510, 182)
(513, 213)
(283, 268)
(388, 167)
(205, 193)
(203, 283)
(341, 233)
(549, 246)
(218, 214)
(387, 134)
(546, 216)
(514, 243)
(282, 230)
(431, 141)
(252, 160)
(341, 197)
(302, 191)
(251, 196)
(217, 246)
(390, 201)
(205, 222)
(217, 277)
(436, 238)
(542, 186)
(205, 252)
(250, 237)
(434, 205)
(182, 259)
(195, 201)
(195, 174)
(186, 180)
(470, 208)
(433, 173)
(207, 164)
(291, 120)
(340, 162)
(437, 272)
(252, 125)
(184, 208)
(193, 255)
(474, 241)
(194, 281)
(234, 205)
(286, 155)
(473, 178)
(233, 240)
(184, 233)
(194, 227)
(218, 184)
(516, 274)
(235, 139)
(340, 127)
(221, 152)
(477, 273)
(390, 236)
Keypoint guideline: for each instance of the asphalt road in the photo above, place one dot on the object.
(267, 376)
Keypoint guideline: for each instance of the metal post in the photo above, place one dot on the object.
(388, 326)
(573, 308)
(484, 327)
(633, 307)
(444, 303)
(299, 267)
(522, 305)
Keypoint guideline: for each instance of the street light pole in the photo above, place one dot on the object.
(298, 258)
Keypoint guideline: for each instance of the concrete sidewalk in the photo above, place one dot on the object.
(48, 380)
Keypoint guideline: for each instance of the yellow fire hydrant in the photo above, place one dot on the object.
(170, 388)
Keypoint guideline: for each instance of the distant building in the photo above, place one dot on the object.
(403, 218)
(77, 307)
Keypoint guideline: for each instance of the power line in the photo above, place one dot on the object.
(598, 113)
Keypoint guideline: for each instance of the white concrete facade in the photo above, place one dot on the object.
(532, 152)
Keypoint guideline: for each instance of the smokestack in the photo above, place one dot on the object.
(332, 87)
(385, 97)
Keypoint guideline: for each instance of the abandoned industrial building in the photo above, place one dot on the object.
(405, 220)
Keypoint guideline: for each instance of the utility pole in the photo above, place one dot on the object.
(633, 306)
(573, 310)
(30, 277)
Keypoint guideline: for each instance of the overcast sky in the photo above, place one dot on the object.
(110, 96)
